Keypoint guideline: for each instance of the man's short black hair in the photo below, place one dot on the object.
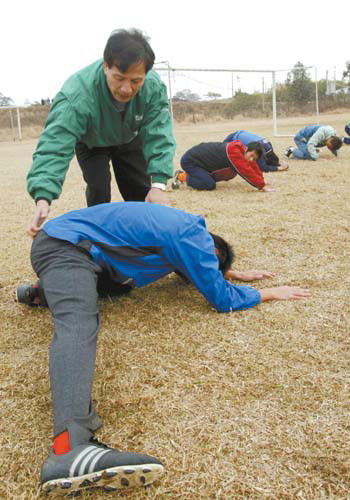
(225, 255)
(255, 146)
(272, 159)
(127, 47)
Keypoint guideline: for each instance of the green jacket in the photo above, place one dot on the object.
(83, 111)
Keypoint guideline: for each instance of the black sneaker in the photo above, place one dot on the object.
(96, 465)
(288, 152)
(32, 295)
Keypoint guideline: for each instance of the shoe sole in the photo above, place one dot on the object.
(113, 478)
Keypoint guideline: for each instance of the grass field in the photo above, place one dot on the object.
(247, 405)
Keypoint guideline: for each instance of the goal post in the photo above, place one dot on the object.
(14, 120)
(170, 73)
(274, 100)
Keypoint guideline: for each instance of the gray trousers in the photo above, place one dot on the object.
(69, 277)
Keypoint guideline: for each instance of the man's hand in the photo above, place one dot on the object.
(248, 275)
(284, 293)
(268, 189)
(282, 167)
(42, 210)
(156, 195)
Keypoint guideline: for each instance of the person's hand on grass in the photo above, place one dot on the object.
(248, 275)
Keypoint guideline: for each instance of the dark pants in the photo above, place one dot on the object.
(197, 177)
(130, 171)
(347, 139)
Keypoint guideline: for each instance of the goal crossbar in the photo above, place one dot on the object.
(170, 69)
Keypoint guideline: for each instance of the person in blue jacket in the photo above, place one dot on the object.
(134, 244)
(310, 139)
(268, 161)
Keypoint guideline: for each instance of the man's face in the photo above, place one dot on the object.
(124, 86)
(251, 156)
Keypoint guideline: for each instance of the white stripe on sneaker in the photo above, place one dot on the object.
(95, 460)
(96, 452)
(79, 457)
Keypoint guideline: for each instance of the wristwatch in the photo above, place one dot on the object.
(158, 185)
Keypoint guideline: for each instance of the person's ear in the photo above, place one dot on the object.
(216, 251)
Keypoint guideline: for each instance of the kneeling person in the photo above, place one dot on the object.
(268, 161)
(134, 244)
(210, 162)
(310, 139)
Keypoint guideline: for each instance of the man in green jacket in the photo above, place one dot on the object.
(113, 110)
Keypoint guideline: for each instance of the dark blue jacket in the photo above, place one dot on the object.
(246, 138)
(138, 243)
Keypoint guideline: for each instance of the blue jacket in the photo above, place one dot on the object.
(138, 243)
(246, 138)
(243, 136)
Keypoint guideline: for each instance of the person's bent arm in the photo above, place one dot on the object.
(319, 137)
(249, 171)
(64, 127)
(193, 254)
(265, 166)
(158, 141)
(312, 145)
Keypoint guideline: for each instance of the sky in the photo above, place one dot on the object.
(43, 42)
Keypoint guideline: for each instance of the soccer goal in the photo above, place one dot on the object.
(10, 118)
(210, 84)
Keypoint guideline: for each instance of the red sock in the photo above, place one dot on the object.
(61, 443)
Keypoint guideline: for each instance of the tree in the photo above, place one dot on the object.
(244, 102)
(300, 88)
(186, 95)
(212, 95)
(346, 73)
(5, 101)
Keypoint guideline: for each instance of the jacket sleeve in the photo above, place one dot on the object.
(193, 253)
(264, 166)
(318, 139)
(64, 127)
(312, 144)
(250, 172)
(157, 135)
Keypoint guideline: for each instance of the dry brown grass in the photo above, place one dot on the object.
(248, 405)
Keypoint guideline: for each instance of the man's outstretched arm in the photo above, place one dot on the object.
(248, 275)
(276, 293)
(284, 293)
